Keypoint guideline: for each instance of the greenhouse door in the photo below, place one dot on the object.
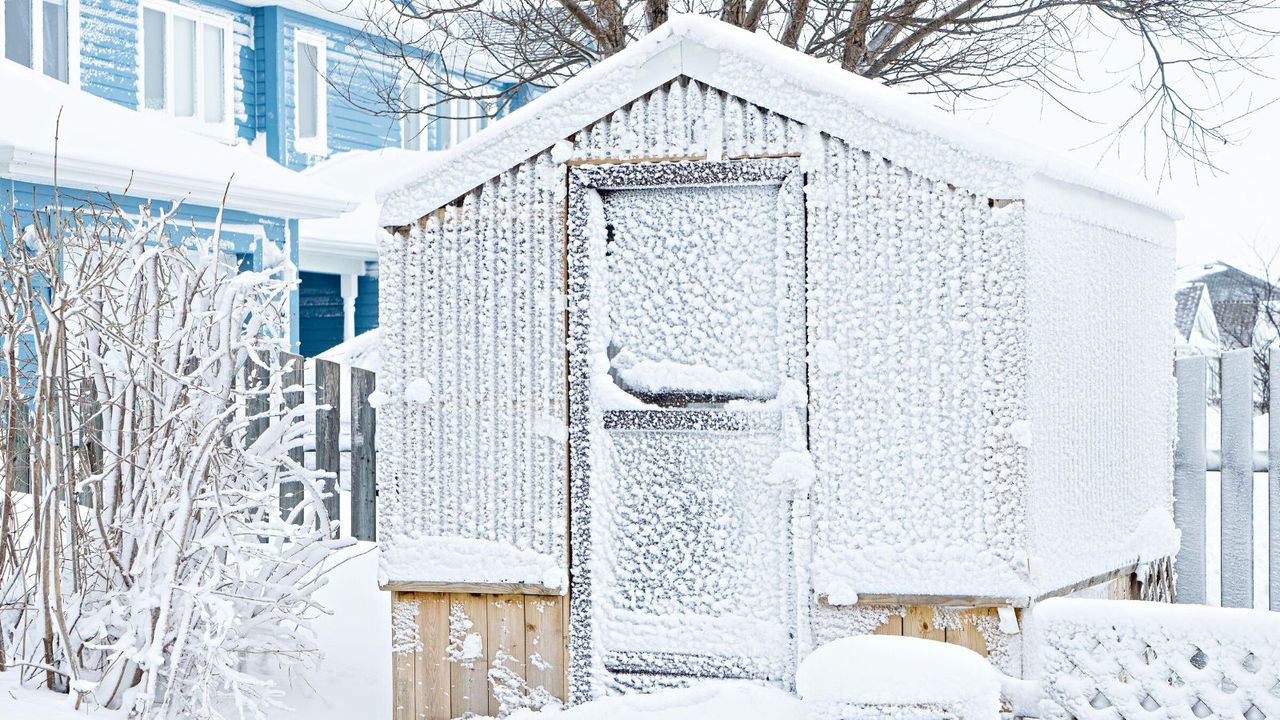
(693, 368)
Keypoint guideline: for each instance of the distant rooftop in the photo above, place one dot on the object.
(1235, 295)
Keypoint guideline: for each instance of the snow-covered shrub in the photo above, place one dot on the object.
(144, 561)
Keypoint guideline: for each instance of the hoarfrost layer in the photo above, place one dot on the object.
(864, 113)
(474, 380)
(1134, 659)
(1100, 389)
(916, 327)
(914, 388)
(688, 311)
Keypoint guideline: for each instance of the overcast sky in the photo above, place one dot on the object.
(1231, 216)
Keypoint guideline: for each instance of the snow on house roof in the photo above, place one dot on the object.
(357, 174)
(753, 67)
(102, 147)
(1186, 305)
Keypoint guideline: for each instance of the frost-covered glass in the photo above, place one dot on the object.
(698, 532)
(308, 89)
(54, 21)
(17, 31)
(153, 52)
(213, 53)
(693, 278)
(184, 67)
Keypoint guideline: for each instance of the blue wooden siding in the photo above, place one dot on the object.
(350, 64)
(366, 303)
(320, 321)
(263, 77)
(110, 51)
(23, 201)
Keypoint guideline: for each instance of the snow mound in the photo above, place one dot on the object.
(706, 701)
(455, 559)
(903, 672)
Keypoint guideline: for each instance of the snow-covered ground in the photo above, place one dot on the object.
(352, 681)
(354, 677)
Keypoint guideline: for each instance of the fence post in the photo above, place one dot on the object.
(294, 377)
(257, 404)
(20, 415)
(1237, 478)
(1189, 479)
(328, 424)
(1273, 475)
(364, 493)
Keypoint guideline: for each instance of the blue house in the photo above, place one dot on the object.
(258, 80)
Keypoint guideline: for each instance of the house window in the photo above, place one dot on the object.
(311, 93)
(184, 64)
(462, 118)
(38, 34)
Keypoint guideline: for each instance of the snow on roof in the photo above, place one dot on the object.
(103, 147)
(1186, 306)
(753, 67)
(356, 174)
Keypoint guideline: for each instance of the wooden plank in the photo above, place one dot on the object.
(294, 378)
(90, 438)
(469, 680)
(919, 623)
(505, 636)
(403, 697)
(21, 430)
(939, 600)
(544, 642)
(1189, 478)
(364, 488)
(328, 426)
(472, 588)
(431, 669)
(1237, 478)
(892, 626)
(967, 634)
(257, 403)
(1273, 478)
(1121, 573)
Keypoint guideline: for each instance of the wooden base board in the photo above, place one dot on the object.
(960, 628)
(433, 677)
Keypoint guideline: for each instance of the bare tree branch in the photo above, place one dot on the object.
(1193, 56)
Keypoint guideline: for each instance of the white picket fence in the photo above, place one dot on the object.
(1236, 464)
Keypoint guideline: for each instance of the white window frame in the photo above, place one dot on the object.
(456, 121)
(37, 39)
(424, 122)
(224, 130)
(318, 145)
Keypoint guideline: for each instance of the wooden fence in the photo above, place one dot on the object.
(327, 423)
(1236, 463)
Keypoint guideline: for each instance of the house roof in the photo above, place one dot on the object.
(753, 67)
(1235, 295)
(356, 174)
(1186, 304)
(89, 143)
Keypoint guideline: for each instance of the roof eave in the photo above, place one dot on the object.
(87, 175)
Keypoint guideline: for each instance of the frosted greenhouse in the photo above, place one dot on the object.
(717, 353)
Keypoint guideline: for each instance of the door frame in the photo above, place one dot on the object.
(582, 285)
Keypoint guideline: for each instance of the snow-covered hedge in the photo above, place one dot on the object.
(144, 563)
